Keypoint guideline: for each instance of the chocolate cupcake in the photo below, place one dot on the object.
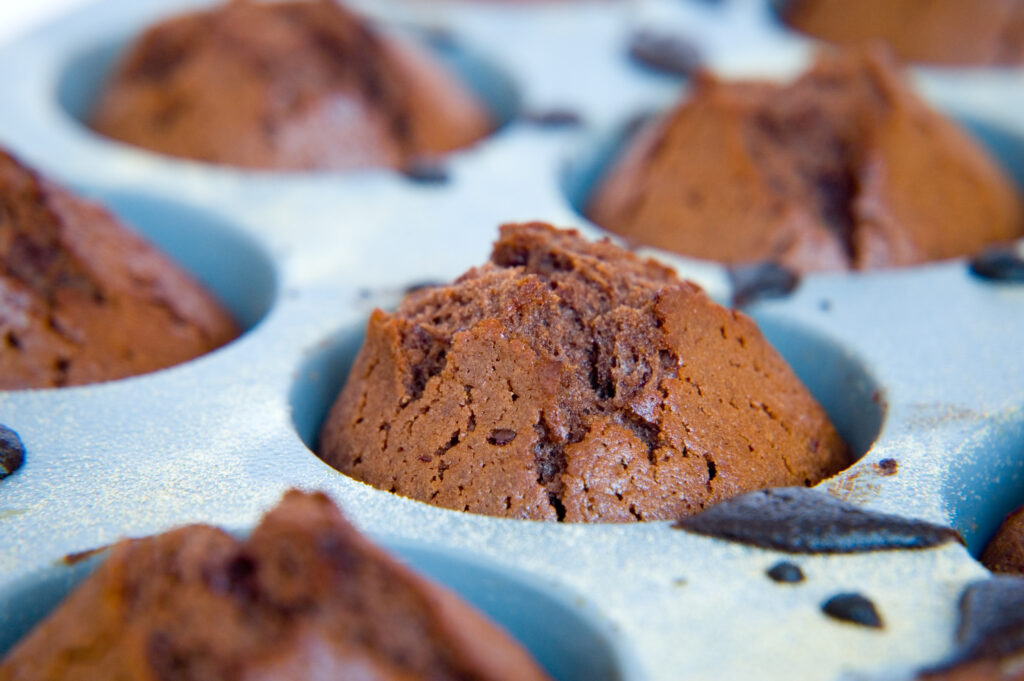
(568, 380)
(846, 168)
(948, 32)
(304, 597)
(83, 299)
(297, 85)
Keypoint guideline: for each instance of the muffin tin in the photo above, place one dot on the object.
(922, 366)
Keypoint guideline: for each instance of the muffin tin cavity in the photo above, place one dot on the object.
(837, 378)
(319, 379)
(229, 263)
(81, 78)
(985, 480)
(570, 642)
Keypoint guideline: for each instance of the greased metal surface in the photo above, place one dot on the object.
(921, 366)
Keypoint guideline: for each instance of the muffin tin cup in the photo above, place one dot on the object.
(921, 366)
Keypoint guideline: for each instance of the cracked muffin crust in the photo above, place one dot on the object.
(304, 597)
(297, 85)
(949, 32)
(568, 380)
(846, 168)
(83, 299)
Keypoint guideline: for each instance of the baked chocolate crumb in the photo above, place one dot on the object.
(853, 608)
(553, 118)
(664, 52)
(801, 520)
(426, 171)
(12, 452)
(758, 281)
(1001, 263)
(887, 467)
(785, 572)
(81, 556)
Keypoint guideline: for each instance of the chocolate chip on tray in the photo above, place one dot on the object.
(664, 52)
(801, 520)
(853, 608)
(785, 572)
(1002, 263)
(426, 171)
(553, 118)
(12, 452)
(991, 618)
(758, 281)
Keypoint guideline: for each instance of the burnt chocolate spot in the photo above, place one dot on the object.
(501, 436)
(1001, 263)
(853, 608)
(801, 520)
(785, 573)
(758, 281)
(553, 118)
(426, 171)
(12, 452)
(664, 52)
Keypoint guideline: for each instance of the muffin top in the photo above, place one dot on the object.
(569, 380)
(845, 168)
(947, 32)
(83, 299)
(304, 597)
(297, 85)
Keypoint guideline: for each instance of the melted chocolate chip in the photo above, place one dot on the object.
(501, 436)
(801, 520)
(419, 286)
(12, 452)
(786, 573)
(426, 171)
(553, 118)
(853, 608)
(1002, 263)
(758, 281)
(991, 619)
(667, 53)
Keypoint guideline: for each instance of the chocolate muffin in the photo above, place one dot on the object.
(846, 168)
(567, 380)
(1005, 552)
(83, 299)
(295, 85)
(949, 32)
(304, 597)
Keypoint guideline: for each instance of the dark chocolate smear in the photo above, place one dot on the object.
(991, 619)
(853, 608)
(1001, 263)
(426, 171)
(12, 452)
(759, 281)
(786, 573)
(553, 118)
(801, 520)
(664, 52)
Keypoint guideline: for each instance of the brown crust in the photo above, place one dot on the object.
(570, 380)
(305, 597)
(846, 168)
(286, 85)
(83, 299)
